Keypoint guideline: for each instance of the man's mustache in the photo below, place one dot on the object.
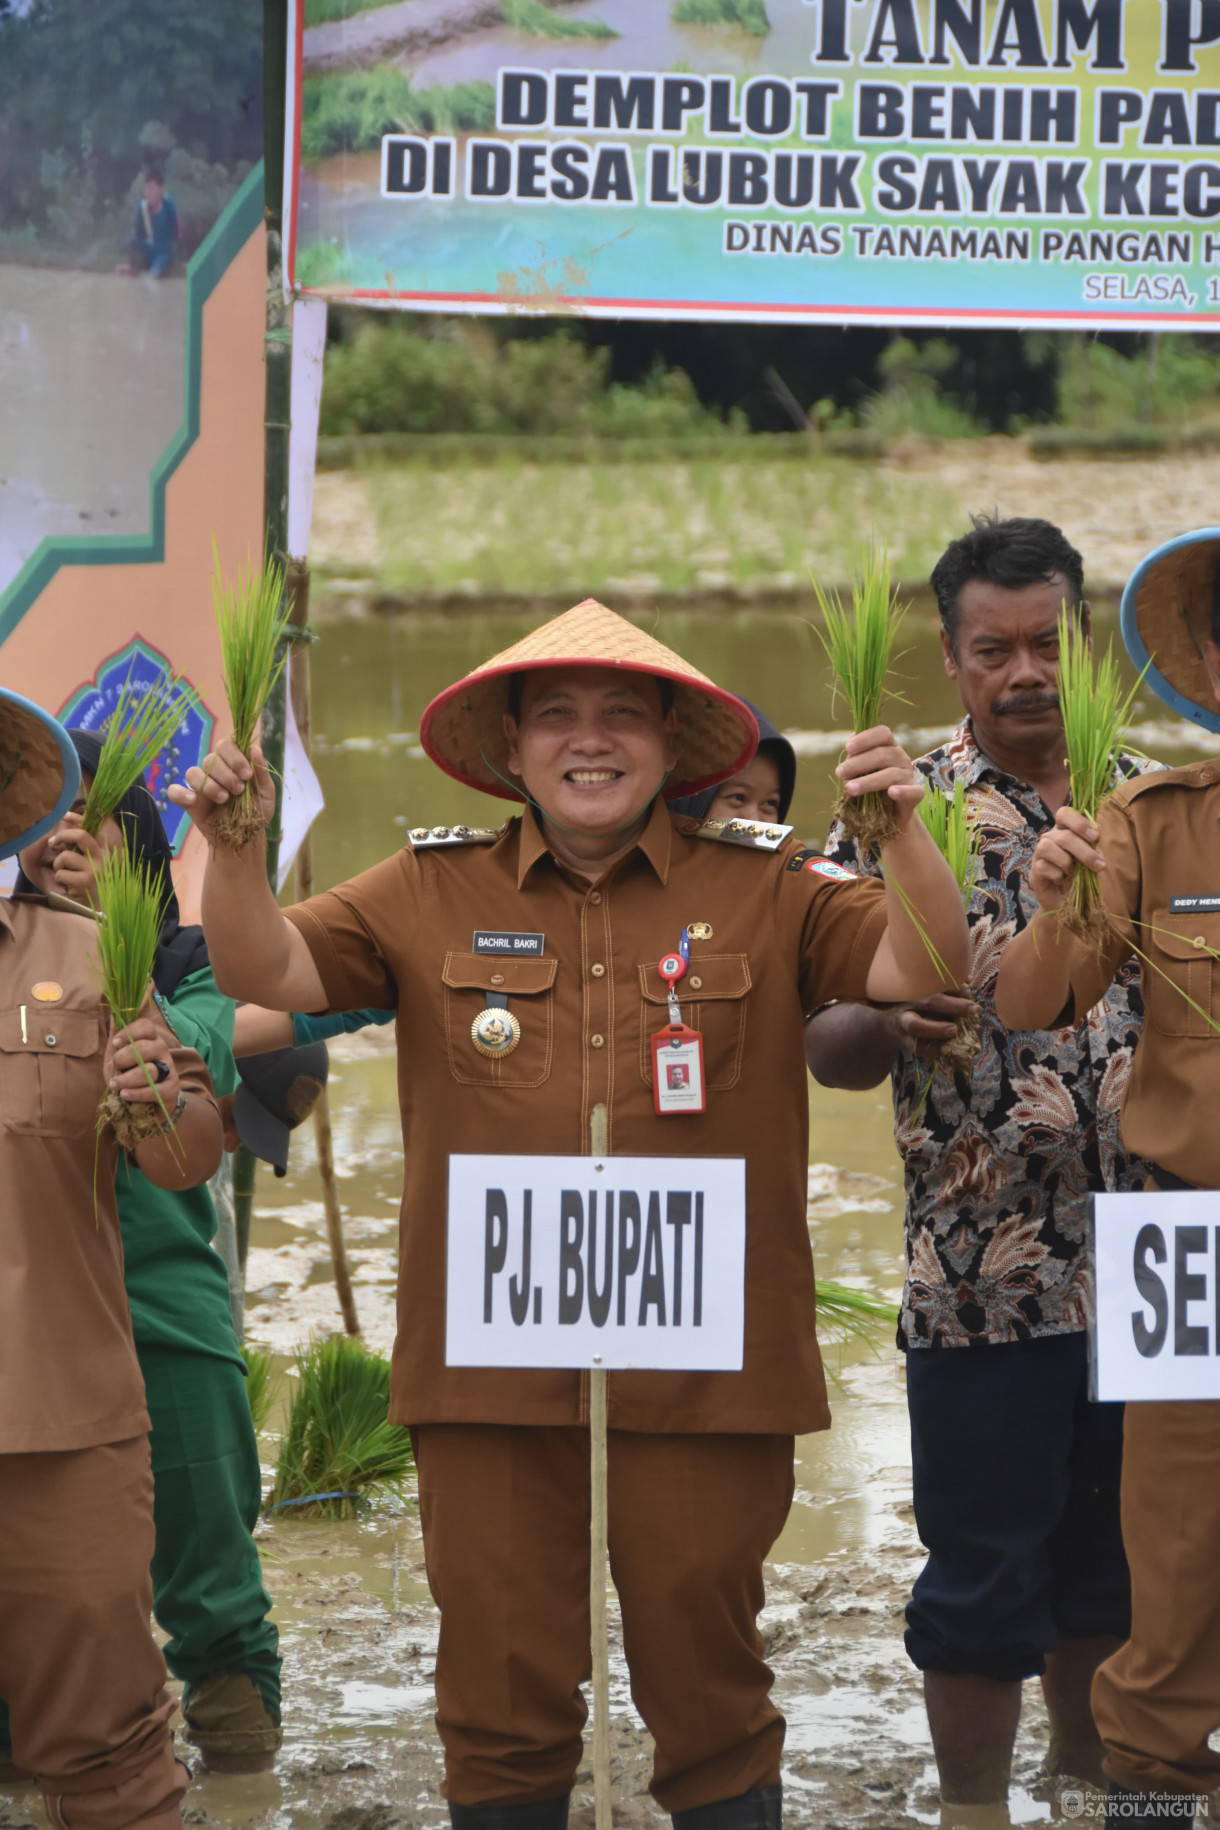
(1026, 702)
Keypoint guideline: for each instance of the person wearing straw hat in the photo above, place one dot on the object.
(80, 1670)
(1157, 1699)
(593, 725)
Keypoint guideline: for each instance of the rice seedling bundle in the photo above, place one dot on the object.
(129, 911)
(262, 1386)
(339, 1441)
(252, 619)
(138, 730)
(1095, 713)
(956, 838)
(846, 1315)
(859, 643)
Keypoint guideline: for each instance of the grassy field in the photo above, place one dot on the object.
(416, 530)
(667, 527)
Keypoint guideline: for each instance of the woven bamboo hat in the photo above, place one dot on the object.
(39, 772)
(463, 728)
(1166, 616)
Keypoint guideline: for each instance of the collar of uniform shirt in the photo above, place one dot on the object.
(654, 842)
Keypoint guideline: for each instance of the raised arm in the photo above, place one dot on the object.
(257, 956)
(926, 947)
(1047, 976)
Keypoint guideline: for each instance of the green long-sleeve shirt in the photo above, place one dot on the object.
(177, 1285)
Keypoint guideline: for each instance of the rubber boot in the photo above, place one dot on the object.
(761, 1808)
(531, 1814)
(227, 1720)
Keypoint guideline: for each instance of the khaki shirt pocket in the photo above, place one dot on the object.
(529, 986)
(714, 1001)
(1185, 951)
(51, 1074)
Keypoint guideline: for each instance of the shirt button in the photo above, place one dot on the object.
(50, 1041)
(696, 984)
(597, 1042)
(599, 972)
(595, 898)
(497, 978)
(1200, 940)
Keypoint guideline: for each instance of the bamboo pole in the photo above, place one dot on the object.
(603, 1802)
(302, 709)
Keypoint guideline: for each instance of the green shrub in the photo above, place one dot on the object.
(339, 1439)
(459, 377)
(533, 17)
(350, 110)
(321, 12)
(913, 397)
(750, 15)
(1166, 383)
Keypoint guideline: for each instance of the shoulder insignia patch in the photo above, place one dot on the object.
(809, 860)
(755, 833)
(423, 836)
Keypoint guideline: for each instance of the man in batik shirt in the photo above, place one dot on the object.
(1016, 1474)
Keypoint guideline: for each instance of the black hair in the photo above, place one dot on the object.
(154, 174)
(1012, 553)
(516, 692)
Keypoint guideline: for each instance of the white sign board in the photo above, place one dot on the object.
(580, 1261)
(1157, 1328)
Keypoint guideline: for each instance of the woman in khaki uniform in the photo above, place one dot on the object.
(78, 1665)
(1157, 1700)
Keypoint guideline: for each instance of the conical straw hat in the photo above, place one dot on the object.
(1167, 614)
(39, 772)
(463, 728)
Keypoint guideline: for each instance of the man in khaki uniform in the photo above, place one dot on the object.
(78, 1665)
(592, 723)
(1157, 1700)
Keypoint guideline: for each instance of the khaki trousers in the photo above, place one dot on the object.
(82, 1675)
(505, 1514)
(1157, 1699)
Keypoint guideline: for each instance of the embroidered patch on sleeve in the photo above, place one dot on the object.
(809, 860)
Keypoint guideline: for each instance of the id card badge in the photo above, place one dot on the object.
(677, 1070)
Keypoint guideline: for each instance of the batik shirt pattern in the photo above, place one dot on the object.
(1000, 1163)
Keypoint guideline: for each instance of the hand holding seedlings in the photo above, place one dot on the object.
(225, 774)
(1071, 841)
(876, 763)
(75, 855)
(925, 1027)
(142, 1045)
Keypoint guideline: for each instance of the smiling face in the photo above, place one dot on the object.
(592, 746)
(752, 794)
(1005, 661)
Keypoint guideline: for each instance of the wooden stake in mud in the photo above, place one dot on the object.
(299, 686)
(598, 1559)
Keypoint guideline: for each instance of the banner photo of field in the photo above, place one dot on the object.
(132, 318)
(1002, 162)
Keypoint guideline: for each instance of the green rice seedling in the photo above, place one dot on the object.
(128, 928)
(136, 733)
(339, 1446)
(749, 15)
(533, 17)
(262, 1387)
(956, 838)
(850, 1318)
(1095, 713)
(859, 644)
(252, 618)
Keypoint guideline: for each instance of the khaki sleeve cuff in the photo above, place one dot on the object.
(335, 982)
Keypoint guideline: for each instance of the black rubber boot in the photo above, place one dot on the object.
(762, 1808)
(533, 1814)
(1139, 1810)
